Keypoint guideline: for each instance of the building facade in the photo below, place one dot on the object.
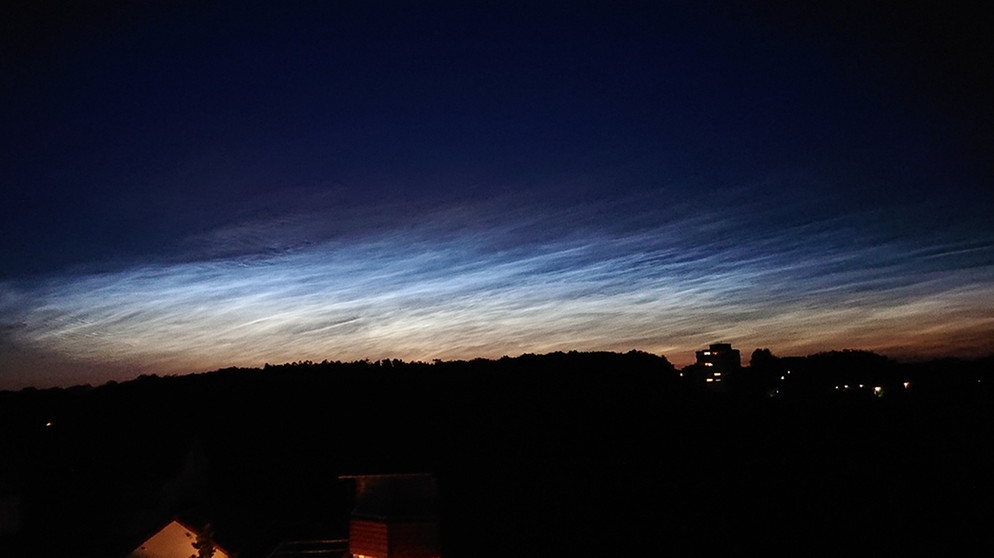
(719, 363)
(394, 517)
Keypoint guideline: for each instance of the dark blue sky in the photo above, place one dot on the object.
(189, 186)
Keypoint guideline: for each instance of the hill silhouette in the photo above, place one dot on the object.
(563, 453)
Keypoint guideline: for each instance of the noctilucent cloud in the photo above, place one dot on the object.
(189, 188)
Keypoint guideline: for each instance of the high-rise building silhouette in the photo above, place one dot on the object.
(719, 362)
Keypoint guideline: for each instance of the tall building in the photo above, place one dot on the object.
(718, 362)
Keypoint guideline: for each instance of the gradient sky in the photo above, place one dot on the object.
(190, 185)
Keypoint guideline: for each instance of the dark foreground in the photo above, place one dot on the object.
(568, 455)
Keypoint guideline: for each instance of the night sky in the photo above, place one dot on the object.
(193, 185)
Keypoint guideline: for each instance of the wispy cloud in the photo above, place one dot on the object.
(469, 281)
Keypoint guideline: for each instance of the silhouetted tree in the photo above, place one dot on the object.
(762, 359)
(204, 543)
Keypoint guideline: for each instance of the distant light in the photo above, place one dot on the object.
(708, 364)
(860, 386)
(49, 424)
(681, 374)
(907, 385)
(878, 391)
(716, 374)
(783, 377)
(845, 386)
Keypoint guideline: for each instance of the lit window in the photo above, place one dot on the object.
(716, 374)
(708, 364)
(709, 380)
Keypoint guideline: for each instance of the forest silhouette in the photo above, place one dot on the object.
(568, 453)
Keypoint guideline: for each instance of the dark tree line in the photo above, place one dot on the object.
(576, 453)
